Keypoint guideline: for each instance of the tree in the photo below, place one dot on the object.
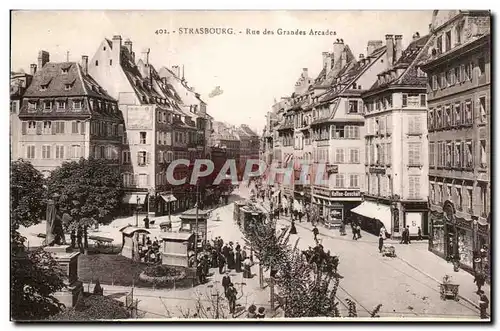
(34, 277)
(27, 198)
(87, 190)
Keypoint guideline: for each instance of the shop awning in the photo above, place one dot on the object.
(377, 211)
(168, 197)
(132, 198)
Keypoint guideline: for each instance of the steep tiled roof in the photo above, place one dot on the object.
(54, 81)
(415, 52)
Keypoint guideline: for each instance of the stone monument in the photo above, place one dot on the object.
(55, 243)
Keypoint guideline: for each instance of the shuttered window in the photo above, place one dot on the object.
(414, 187)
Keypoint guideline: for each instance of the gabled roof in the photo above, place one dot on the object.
(414, 53)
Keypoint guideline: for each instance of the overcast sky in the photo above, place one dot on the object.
(251, 70)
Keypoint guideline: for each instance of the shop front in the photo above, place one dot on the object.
(372, 216)
(134, 202)
(454, 236)
(335, 205)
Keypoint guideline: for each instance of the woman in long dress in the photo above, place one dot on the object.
(293, 229)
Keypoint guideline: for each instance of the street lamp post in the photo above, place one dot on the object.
(196, 236)
(137, 212)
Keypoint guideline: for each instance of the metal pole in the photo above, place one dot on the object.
(196, 236)
(170, 206)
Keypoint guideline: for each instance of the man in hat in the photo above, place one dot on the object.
(226, 280)
(484, 302)
(222, 262)
(231, 296)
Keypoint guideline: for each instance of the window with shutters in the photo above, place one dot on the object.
(354, 181)
(458, 75)
(382, 153)
(414, 187)
(458, 198)
(468, 202)
(75, 126)
(59, 127)
(405, 100)
(339, 155)
(414, 154)
(128, 179)
(482, 110)
(61, 105)
(439, 194)
(447, 117)
(435, 85)
(30, 127)
(468, 71)
(481, 65)
(77, 105)
(448, 155)
(439, 118)
(457, 155)
(442, 80)
(388, 154)
(414, 125)
(452, 78)
(30, 152)
(469, 155)
(339, 180)
(125, 157)
(430, 119)
(160, 157)
(457, 115)
(382, 122)
(47, 127)
(143, 180)
(484, 200)
(170, 157)
(102, 152)
(32, 105)
(141, 158)
(339, 132)
(109, 152)
(45, 152)
(47, 106)
(432, 192)
(75, 151)
(354, 155)
(158, 138)
(59, 152)
(483, 156)
(432, 154)
(468, 112)
(353, 107)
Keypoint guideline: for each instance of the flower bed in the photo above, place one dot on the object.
(96, 307)
(162, 274)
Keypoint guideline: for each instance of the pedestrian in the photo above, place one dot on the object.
(261, 313)
(382, 231)
(419, 234)
(479, 279)
(483, 304)
(199, 271)
(230, 260)
(380, 243)
(215, 257)
(403, 236)
(247, 272)
(243, 255)
(315, 232)
(354, 231)
(222, 262)
(225, 251)
(231, 297)
(226, 280)
(79, 238)
(238, 247)
(301, 214)
(408, 241)
(146, 222)
(358, 231)
(293, 229)
(237, 261)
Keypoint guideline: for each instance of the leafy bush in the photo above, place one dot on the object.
(96, 307)
(162, 274)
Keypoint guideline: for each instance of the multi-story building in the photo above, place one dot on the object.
(156, 129)
(337, 132)
(225, 136)
(249, 146)
(19, 82)
(396, 162)
(66, 115)
(459, 99)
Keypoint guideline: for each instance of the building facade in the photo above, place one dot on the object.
(19, 82)
(459, 98)
(396, 156)
(67, 115)
(157, 131)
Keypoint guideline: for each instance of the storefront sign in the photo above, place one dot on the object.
(377, 171)
(332, 168)
(337, 194)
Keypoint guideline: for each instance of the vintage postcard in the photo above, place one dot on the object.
(272, 165)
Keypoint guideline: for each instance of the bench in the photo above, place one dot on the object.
(101, 241)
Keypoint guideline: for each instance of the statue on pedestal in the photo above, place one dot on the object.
(54, 231)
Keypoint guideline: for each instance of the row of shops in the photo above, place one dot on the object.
(454, 235)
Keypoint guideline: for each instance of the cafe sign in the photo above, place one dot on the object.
(377, 171)
(337, 193)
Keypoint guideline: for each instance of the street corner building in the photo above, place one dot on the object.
(64, 115)
(164, 120)
(458, 68)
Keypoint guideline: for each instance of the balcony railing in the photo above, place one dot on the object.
(322, 143)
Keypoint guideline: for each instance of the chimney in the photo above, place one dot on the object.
(128, 45)
(373, 45)
(43, 57)
(398, 48)
(177, 71)
(85, 64)
(389, 42)
(338, 47)
(145, 55)
(343, 58)
(416, 36)
(305, 73)
(33, 69)
(116, 48)
(361, 56)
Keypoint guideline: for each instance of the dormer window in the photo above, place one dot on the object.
(67, 87)
(65, 70)
(77, 104)
(61, 104)
(44, 87)
(47, 105)
(32, 105)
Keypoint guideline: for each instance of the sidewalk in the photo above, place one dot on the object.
(417, 256)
